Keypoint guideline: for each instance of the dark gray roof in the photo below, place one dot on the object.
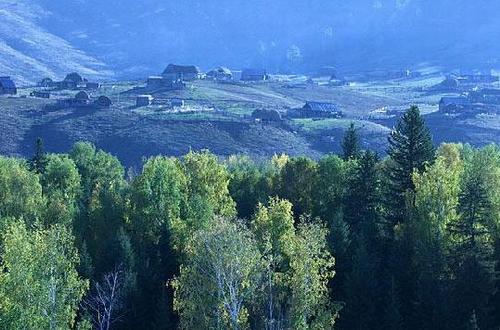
(75, 77)
(321, 106)
(454, 100)
(254, 72)
(83, 95)
(7, 83)
(173, 68)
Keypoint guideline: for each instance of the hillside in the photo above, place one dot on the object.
(28, 52)
(217, 117)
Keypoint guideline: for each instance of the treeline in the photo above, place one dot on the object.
(408, 241)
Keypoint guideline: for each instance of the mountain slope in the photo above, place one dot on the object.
(28, 52)
(137, 38)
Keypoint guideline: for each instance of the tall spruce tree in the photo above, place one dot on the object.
(39, 160)
(472, 258)
(351, 143)
(362, 201)
(410, 149)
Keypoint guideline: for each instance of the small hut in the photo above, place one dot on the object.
(46, 82)
(103, 102)
(82, 98)
(143, 100)
(267, 115)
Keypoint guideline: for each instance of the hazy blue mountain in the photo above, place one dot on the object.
(135, 38)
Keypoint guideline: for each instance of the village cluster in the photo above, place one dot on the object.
(476, 93)
(463, 92)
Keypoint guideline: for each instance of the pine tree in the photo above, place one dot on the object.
(362, 199)
(472, 255)
(39, 160)
(351, 143)
(410, 149)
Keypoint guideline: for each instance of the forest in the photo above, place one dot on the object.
(406, 240)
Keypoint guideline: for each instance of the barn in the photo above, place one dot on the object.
(254, 75)
(321, 109)
(220, 73)
(7, 86)
(452, 104)
(175, 72)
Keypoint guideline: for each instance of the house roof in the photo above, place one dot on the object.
(220, 70)
(83, 95)
(75, 77)
(321, 106)
(457, 100)
(173, 68)
(104, 101)
(7, 83)
(254, 72)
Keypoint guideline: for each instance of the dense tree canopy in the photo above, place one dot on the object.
(410, 240)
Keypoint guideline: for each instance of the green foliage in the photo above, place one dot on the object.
(410, 149)
(328, 187)
(158, 198)
(250, 184)
(39, 161)
(415, 237)
(218, 282)
(61, 188)
(351, 143)
(363, 196)
(311, 267)
(20, 191)
(101, 203)
(297, 184)
(39, 285)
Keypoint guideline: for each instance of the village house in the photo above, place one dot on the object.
(449, 84)
(175, 72)
(7, 86)
(143, 100)
(254, 75)
(266, 115)
(220, 74)
(177, 103)
(103, 102)
(157, 82)
(453, 104)
(82, 98)
(327, 71)
(320, 109)
(46, 82)
(71, 81)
